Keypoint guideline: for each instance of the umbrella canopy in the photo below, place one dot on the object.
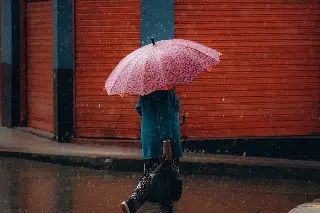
(160, 65)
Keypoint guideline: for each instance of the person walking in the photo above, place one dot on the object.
(143, 72)
(160, 138)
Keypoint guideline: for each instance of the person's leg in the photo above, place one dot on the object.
(139, 196)
(176, 164)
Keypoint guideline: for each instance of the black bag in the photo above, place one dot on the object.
(165, 184)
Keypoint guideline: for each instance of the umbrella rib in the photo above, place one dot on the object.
(191, 57)
(173, 61)
(118, 72)
(143, 77)
(198, 47)
(144, 73)
(132, 69)
(161, 65)
(198, 57)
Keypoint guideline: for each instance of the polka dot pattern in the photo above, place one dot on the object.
(167, 63)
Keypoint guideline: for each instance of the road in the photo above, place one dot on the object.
(36, 187)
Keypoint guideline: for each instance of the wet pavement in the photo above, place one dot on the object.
(120, 156)
(35, 187)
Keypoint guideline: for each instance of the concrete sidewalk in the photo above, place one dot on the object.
(16, 143)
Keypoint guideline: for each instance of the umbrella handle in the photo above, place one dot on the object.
(152, 40)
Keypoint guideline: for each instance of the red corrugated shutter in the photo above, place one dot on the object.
(39, 65)
(106, 31)
(268, 82)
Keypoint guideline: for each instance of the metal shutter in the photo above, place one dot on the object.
(105, 32)
(39, 65)
(268, 83)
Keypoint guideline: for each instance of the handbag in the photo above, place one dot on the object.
(165, 183)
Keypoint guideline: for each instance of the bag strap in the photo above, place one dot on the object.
(167, 152)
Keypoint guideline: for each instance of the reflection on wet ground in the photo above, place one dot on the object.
(34, 187)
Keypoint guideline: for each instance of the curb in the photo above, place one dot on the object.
(186, 167)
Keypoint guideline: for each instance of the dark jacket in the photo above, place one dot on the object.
(159, 113)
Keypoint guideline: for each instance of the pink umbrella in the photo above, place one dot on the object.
(160, 65)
